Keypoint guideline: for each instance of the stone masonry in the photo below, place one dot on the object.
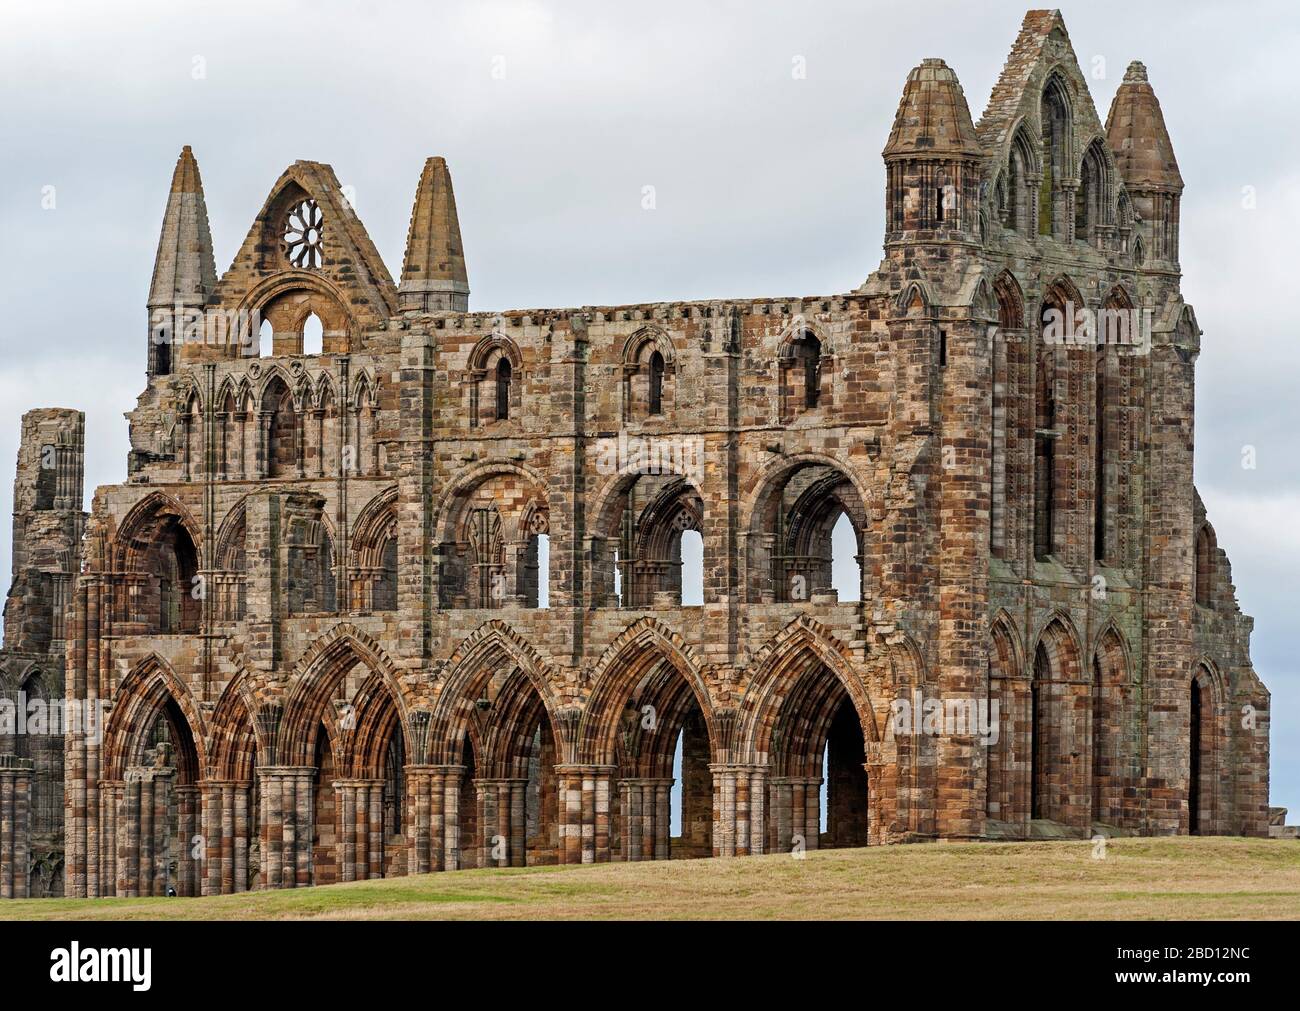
(416, 600)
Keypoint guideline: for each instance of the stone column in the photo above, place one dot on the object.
(796, 812)
(360, 819)
(645, 816)
(286, 832)
(739, 809)
(502, 821)
(143, 843)
(15, 825)
(189, 869)
(584, 794)
(433, 817)
(226, 828)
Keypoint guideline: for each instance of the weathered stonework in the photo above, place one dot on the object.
(313, 607)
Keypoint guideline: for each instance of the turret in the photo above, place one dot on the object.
(184, 273)
(1135, 130)
(433, 272)
(932, 160)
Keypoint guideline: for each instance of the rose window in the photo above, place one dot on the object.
(303, 235)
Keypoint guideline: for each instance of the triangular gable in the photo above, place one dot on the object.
(350, 263)
(1041, 49)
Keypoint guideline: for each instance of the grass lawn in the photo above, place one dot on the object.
(1165, 878)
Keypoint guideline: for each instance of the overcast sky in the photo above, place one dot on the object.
(554, 116)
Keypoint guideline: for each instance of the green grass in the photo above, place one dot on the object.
(1166, 878)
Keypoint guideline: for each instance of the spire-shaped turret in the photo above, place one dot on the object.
(1135, 131)
(433, 273)
(933, 118)
(184, 271)
(932, 157)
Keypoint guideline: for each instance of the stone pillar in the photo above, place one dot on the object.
(359, 815)
(143, 842)
(645, 817)
(502, 822)
(286, 831)
(226, 831)
(584, 792)
(739, 809)
(15, 825)
(795, 813)
(189, 869)
(433, 817)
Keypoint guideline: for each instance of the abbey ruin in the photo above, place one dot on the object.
(415, 600)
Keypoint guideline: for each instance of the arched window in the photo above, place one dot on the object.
(281, 420)
(266, 339)
(1205, 552)
(1093, 197)
(656, 383)
(1055, 122)
(1044, 459)
(503, 390)
(176, 564)
(1008, 358)
(846, 566)
(808, 537)
(801, 374)
(537, 572)
(648, 370)
(1201, 742)
(692, 557)
(313, 335)
(1016, 199)
(648, 528)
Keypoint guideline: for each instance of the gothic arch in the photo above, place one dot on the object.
(777, 667)
(374, 555)
(488, 665)
(315, 682)
(787, 515)
(235, 734)
(287, 298)
(915, 300)
(133, 531)
(462, 488)
(1206, 749)
(151, 689)
(635, 656)
(1096, 196)
(1111, 675)
(1059, 774)
(1010, 299)
(648, 382)
(1006, 793)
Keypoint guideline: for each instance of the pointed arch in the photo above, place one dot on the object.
(1059, 774)
(802, 643)
(1206, 559)
(1006, 797)
(315, 685)
(151, 690)
(1111, 673)
(496, 692)
(1095, 200)
(235, 734)
(374, 554)
(633, 661)
(1206, 749)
